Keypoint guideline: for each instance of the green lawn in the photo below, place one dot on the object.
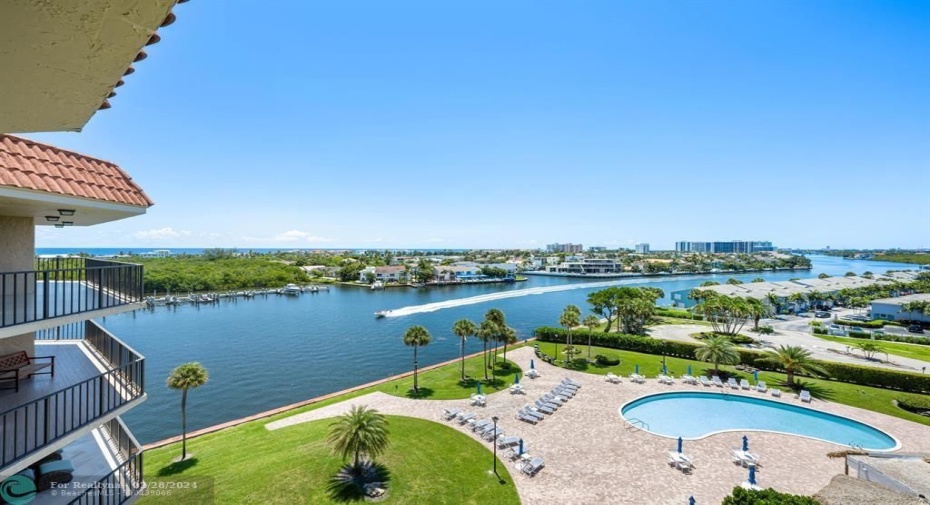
(427, 463)
(650, 365)
(914, 351)
(444, 383)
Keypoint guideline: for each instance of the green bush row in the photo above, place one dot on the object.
(918, 404)
(600, 359)
(742, 496)
(680, 314)
(842, 372)
(892, 338)
(820, 330)
(858, 334)
(878, 323)
(736, 339)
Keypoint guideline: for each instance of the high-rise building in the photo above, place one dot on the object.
(733, 246)
(642, 248)
(565, 248)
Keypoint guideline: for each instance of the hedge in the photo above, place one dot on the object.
(878, 323)
(600, 359)
(820, 330)
(892, 338)
(736, 339)
(680, 314)
(916, 404)
(741, 496)
(842, 372)
(858, 334)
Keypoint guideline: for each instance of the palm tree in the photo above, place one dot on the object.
(794, 359)
(570, 319)
(718, 350)
(360, 431)
(463, 328)
(797, 299)
(496, 316)
(185, 377)
(774, 301)
(591, 322)
(486, 331)
(757, 310)
(509, 338)
(416, 336)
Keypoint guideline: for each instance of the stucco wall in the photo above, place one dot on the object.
(17, 243)
(25, 342)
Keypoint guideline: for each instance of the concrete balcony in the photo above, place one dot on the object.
(97, 377)
(65, 290)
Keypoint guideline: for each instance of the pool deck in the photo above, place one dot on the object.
(591, 457)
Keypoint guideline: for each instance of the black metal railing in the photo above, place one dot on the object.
(65, 286)
(126, 479)
(29, 427)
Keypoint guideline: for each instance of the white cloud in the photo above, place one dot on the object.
(161, 233)
(299, 236)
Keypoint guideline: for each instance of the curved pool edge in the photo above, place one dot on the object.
(897, 443)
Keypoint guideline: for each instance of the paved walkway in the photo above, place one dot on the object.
(592, 458)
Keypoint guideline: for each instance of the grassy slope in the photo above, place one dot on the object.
(650, 365)
(428, 463)
(914, 351)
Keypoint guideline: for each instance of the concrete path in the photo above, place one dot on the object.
(592, 457)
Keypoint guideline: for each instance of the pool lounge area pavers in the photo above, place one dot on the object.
(591, 457)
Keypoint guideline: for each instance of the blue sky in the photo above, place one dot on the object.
(514, 124)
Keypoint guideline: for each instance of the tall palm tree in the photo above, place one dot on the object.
(463, 328)
(774, 301)
(486, 331)
(794, 359)
(797, 299)
(757, 310)
(416, 336)
(496, 316)
(591, 322)
(186, 377)
(718, 350)
(509, 338)
(570, 319)
(360, 431)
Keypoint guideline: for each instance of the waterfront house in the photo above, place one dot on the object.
(391, 273)
(64, 379)
(890, 309)
(451, 273)
(587, 266)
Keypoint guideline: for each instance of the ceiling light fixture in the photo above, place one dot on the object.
(52, 218)
(66, 212)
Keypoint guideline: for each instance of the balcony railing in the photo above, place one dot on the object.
(65, 286)
(32, 425)
(123, 482)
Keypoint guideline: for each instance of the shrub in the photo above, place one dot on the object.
(741, 496)
(915, 404)
(820, 330)
(766, 330)
(858, 334)
(736, 339)
(681, 314)
(877, 377)
(878, 323)
(600, 359)
(893, 338)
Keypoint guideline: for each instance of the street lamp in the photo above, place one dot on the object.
(494, 443)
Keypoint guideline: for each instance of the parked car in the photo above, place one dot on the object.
(821, 314)
(836, 330)
(915, 328)
(856, 328)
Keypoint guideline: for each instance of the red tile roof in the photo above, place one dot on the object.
(31, 165)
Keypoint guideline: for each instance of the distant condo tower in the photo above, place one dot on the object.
(564, 248)
(734, 246)
(642, 248)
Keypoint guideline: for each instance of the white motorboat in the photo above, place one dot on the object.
(292, 289)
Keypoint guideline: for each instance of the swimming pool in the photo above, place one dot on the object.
(694, 415)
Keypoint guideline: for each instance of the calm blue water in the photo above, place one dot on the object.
(265, 353)
(692, 415)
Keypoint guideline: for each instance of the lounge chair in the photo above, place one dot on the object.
(525, 416)
(805, 396)
(566, 387)
(743, 383)
(613, 378)
(481, 425)
(637, 378)
(465, 417)
(717, 382)
(543, 403)
(529, 411)
(531, 467)
(514, 452)
(761, 387)
(732, 383)
(567, 393)
(570, 382)
(505, 442)
(551, 398)
(492, 434)
(706, 382)
(542, 407)
(450, 413)
(776, 393)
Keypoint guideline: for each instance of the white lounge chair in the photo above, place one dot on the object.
(531, 467)
(551, 398)
(570, 382)
(481, 425)
(451, 413)
(493, 434)
(706, 382)
(805, 396)
(776, 393)
(613, 378)
(505, 442)
(465, 417)
(717, 382)
(542, 407)
(514, 452)
(743, 383)
(542, 403)
(732, 383)
(637, 378)
(522, 415)
(761, 387)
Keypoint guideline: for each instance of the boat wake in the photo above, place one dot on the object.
(472, 300)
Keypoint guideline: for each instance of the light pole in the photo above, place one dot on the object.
(494, 443)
